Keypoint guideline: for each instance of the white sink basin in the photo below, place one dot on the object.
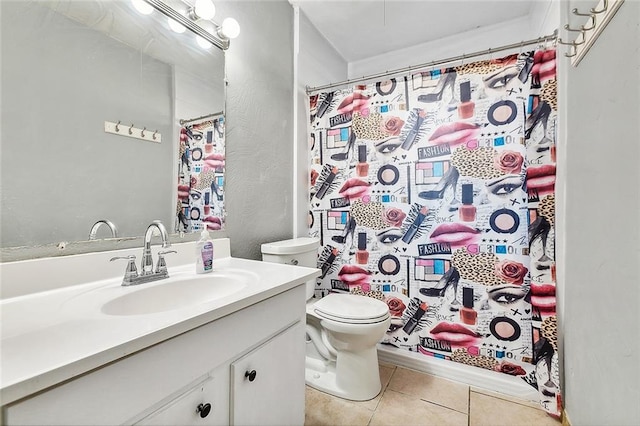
(181, 290)
(175, 294)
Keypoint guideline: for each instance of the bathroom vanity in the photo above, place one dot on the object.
(233, 359)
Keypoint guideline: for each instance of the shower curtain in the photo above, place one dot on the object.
(434, 192)
(201, 167)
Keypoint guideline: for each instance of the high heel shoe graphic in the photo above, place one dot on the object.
(540, 229)
(451, 277)
(449, 179)
(344, 155)
(349, 229)
(445, 81)
(539, 115)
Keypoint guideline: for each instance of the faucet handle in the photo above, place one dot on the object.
(161, 266)
(131, 272)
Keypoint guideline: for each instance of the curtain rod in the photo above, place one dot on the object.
(435, 63)
(182, 122)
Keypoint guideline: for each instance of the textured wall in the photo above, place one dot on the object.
(318, 63)
(601, 323)
(259, 163)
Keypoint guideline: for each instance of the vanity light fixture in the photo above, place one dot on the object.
(142, 7)
(176, 26)
(197, 20)
(204, 9)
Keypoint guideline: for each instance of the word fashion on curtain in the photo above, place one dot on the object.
(434, 192)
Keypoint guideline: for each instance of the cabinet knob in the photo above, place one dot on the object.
(251, 375)
(204, 410)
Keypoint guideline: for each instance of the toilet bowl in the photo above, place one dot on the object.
(342, 330)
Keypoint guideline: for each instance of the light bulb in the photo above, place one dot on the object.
(176, 26)
(230, 28)
(142, 7)
(202, 42)
(205, 9)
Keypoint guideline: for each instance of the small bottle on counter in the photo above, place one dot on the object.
(204, 253)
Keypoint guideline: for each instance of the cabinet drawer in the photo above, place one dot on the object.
(197, 406)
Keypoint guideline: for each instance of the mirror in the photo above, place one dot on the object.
(73, 69)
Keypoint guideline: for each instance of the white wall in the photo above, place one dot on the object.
(600, 270)
(318, 63)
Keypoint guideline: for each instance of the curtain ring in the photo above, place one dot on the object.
(154, 134)
(604, 9)
(142, 132)
(131, 129)
(117, 126)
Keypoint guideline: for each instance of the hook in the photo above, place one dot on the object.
(575, 12)
(568, 28)
(117, 126)
(154, 134)
(604, 9)
(130, 129)
(593, 24)
(575, 52)
(142, 132)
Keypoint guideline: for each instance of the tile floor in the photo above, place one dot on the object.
(410, 397)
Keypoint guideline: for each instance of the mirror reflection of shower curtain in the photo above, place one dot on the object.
(201, 167)
(434, 192)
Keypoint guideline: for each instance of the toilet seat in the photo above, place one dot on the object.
(351, 309)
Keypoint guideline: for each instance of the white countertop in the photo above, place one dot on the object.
(52, 336)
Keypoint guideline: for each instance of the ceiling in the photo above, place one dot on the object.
(360, 29)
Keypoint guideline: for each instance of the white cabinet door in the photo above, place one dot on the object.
(267, 384)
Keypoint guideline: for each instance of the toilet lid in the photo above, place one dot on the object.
(351, 308)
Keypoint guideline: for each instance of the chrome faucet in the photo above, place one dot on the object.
(147, 260)
(147, 274)
(96, 226)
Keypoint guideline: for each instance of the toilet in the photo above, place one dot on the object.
(342, 330)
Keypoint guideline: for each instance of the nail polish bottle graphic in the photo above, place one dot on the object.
(413, 321)
(552, 152)
(362, 168)
(467, 209)
(362, 255)
(466, 107)
(207, 207)
(467, 314)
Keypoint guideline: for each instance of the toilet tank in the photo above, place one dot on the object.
(301, 251)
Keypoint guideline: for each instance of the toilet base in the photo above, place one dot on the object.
(361, 383)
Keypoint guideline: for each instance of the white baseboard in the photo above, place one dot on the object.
(473, 376)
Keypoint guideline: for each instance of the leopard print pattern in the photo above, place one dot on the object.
(547, 208)
(482, 361)
(205, 179)
(477, 267)
(368, 127)
(550, 93)
(374, 294)
(368, 215)
(476, 163)
(550, 331)
(480, 67)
